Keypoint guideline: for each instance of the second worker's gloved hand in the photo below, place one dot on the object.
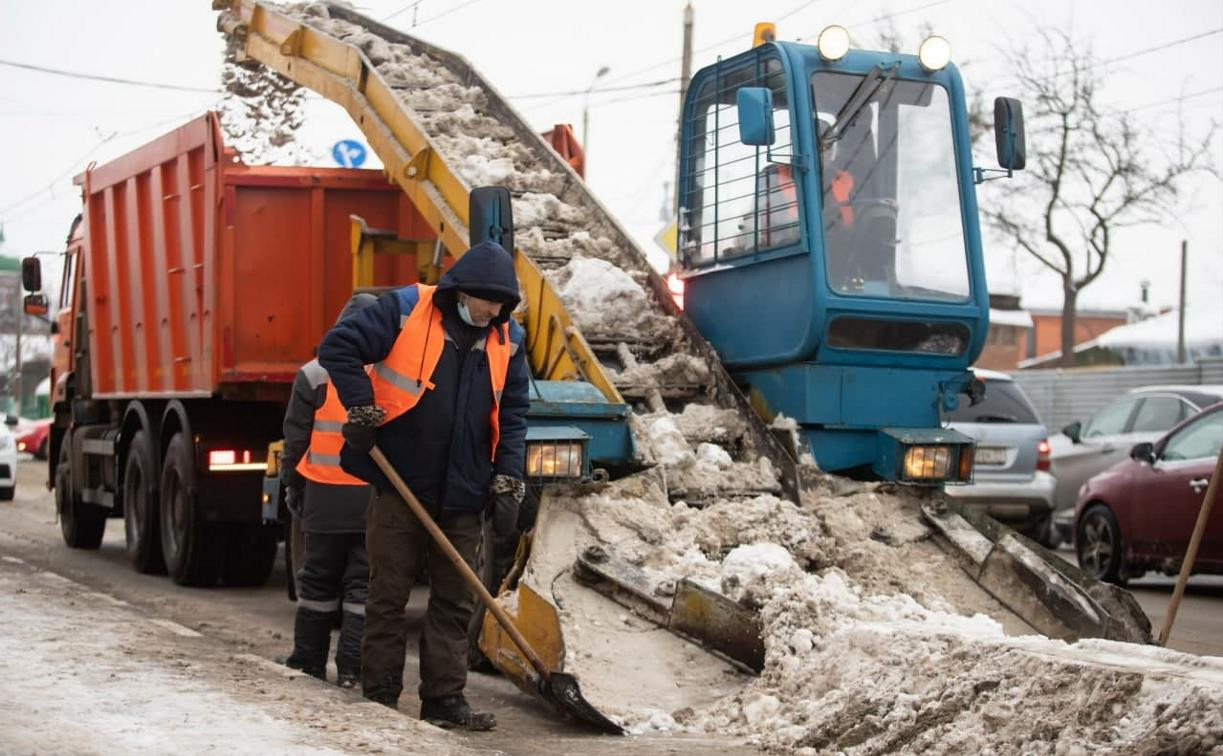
(361, 430)
(293, 501)
(508, 493)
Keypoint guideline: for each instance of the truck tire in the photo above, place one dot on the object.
(7, 493)
(141, 519)
(81, 524)
(190, 546)
(250, 554)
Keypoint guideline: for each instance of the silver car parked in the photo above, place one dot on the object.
(1085, 448)
(1011, 482)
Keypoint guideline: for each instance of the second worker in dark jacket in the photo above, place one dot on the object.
(329, 505)
(445, 398)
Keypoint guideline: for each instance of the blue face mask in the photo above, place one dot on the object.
(465, 314)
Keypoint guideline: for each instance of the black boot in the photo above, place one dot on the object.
(348, 651)
(453, 712)
(311, 641)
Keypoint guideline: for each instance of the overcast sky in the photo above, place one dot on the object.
(52, 126)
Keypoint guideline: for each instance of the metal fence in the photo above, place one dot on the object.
(1062, 396)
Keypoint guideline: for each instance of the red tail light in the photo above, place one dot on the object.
(222, 457)
(1043, 460)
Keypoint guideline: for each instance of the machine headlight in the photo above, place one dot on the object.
(927, 462)
(554, 459)
(6, 442)
(934, 53)
(833, 42)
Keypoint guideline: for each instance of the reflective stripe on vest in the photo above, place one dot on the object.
(321, 462)
(404, 375)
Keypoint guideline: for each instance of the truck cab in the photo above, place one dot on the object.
(831, 249)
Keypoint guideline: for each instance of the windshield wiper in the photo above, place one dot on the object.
(870, 87)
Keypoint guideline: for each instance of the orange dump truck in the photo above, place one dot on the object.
(193, 289)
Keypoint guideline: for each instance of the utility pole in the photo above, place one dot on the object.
(1180, 315)
(685, 76)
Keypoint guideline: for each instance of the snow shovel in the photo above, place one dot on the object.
(558, 688)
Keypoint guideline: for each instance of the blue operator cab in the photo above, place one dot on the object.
(831, 249)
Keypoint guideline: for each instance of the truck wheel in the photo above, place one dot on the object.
(189, 545)
(81, 524)
(141, 523)
(250, 553)
(7, 493)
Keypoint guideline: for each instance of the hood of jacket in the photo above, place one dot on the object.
(485, 271)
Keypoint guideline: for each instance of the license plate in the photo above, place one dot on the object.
(990, 455)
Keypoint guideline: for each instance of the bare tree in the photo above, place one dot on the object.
(1091, 170)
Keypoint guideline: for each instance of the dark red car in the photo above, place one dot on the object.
(32, 437)
(1139, 514)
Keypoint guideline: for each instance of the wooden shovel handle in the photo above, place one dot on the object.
(457, 559)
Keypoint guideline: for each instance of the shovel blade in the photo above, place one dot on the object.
(562, 691)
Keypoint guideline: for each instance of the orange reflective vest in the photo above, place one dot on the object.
(842, 190)
(402, 377)
(321, 462)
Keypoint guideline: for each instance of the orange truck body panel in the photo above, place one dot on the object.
(205, 276)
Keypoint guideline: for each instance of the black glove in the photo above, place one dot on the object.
(293, 501)
(361, 430)
(508, 493)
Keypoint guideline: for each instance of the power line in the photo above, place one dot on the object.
(1171, 100)
(404, 9)
(1157, 48)
(109, 79)
(596, 90)
(446, 12)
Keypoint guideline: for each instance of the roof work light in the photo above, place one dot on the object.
(833, 42)
(934, 53)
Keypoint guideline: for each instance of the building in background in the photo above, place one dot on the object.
(1088, 324)
(1010, 334)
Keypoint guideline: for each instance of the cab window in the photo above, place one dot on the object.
(737, 200)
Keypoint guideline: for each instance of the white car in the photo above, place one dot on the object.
(8, 459)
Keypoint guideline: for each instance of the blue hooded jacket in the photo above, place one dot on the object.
(441, 447)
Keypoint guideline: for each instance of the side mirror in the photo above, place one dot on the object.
(1008, 134)
(11, 420)
(1074, 431)
(31, 274)
(1144, 452)
(490, 217)
(756, 116)
(36, 304)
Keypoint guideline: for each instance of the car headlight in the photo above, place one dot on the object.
(554, 459)
(6, 443)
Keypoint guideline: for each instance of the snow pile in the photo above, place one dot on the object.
(851, 672)
(858, 666)
(707, 471)
(674, 370)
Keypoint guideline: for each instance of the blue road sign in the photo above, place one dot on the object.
(349, 153)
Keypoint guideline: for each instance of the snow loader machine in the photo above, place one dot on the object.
(830, 246)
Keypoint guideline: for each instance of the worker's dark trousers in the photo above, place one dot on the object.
(396, 540)
(334, 578)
